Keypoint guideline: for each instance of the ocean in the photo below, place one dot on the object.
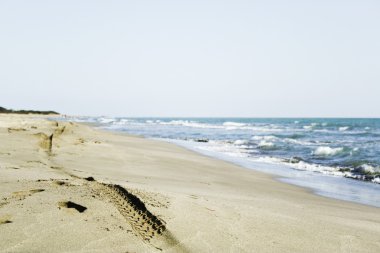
(338, 158)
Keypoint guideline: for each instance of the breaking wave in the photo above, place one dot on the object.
(327, 151)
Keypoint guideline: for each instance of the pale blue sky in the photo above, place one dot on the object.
(271, 58)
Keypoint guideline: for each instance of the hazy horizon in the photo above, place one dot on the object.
(192, 58)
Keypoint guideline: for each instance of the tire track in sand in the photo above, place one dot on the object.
(145, 224)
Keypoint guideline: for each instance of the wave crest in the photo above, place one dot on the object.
(327, 151)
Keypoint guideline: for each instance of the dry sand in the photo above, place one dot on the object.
(66, 187)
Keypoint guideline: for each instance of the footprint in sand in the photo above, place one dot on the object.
(193, 196)
(58, 182)
(21, 195)
(80, 141)
(69, 204)
(13, 129)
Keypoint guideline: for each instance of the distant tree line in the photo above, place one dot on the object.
(4, 110)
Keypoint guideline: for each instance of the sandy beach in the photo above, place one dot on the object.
(68, 187)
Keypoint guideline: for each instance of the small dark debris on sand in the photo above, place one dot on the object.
(37, 190)
(5, 222)
(5, 219)
(91, 179)
(201, 140)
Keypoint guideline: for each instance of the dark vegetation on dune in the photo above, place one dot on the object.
(4, 110)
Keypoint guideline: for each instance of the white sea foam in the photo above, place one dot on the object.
(229, 128)
(265, 144)
(233, 124)
(225, 148)
(268, 159)
(299, 142)
(366, 168)
(196, 124)
(343, 128)
(257, 128)
(120, 123)
(265, 129)
(327, 151)
(311, 126)
(187, 123)
(106, 120)
(263, 137)
(301, 165)
(323, 131)
(240, 151)
(240, 142)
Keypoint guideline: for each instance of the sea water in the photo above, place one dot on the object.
(338, 158)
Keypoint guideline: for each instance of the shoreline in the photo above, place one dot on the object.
(281, 178)
(285, 176)
(206, 204)
(295, 168)
(274, 177)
